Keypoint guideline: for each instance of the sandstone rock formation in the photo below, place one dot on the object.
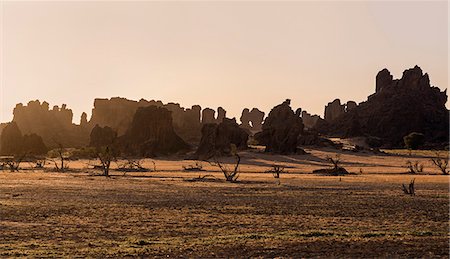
(281, 129)
(397, 108)
(151, 134)
(333, 110)
(252, 120)
(117, 113)
(54, 126)
(102, 136)
(13, 143)
(217, 139)
(309, 120)
(208, 116)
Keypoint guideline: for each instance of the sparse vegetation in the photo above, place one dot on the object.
(59, 158)
(336, 169)
(414, 167)
(441, 163)
(276, 171)
(197, 167)
(230, 175)
(410, 190)
(133, 165)
(105, 155)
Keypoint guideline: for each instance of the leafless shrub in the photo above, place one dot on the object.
(336, 168)
(230, 175)
(410, 190)
(276, 171)
(197, 167)
(133, 165)
(60, 161)
(414, 167)
(13, 163)
(441, 163)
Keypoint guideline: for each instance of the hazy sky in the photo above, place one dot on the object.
(230, 54)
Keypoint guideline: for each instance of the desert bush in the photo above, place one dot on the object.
(336, 168)
(276, 171)
(414, 167)
(12, 163)
(413, 140)
(197, 167)
(441, 163)
(230, 175)
(410, 190)
(133, 165)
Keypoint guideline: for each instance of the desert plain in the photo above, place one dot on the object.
(170, 212)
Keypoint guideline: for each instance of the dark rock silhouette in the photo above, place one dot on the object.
(208, 116)
(13, 143)
(221, 114)
(102, 136)
(255, 117)
(54, 126)
(397, 108)
(281, 129)
(333, 110)
(151, 134)
(117, 113)
(217, 139)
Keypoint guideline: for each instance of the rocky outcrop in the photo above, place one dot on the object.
(333, 110)
(397, 108)
(309, 120)
(13, 143)
(252, 120)
(217, 139)
(281, 129)
(102, 136)
(54, 126)
(117, 113)
(151, 134)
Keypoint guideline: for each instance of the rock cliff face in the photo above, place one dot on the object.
(252, 120)
(281, 129)
(217, 139)
(151, 134)
(54, 126)
(102, 136)
(397, 108)
(12, 142)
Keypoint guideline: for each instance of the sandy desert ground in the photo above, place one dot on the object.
(163, 214)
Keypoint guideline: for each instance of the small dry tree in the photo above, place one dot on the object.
(334, 161)
(62, 166)
(414, 167)
(441, 163)
(410, 190)
(106, 156)
(276, 171)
